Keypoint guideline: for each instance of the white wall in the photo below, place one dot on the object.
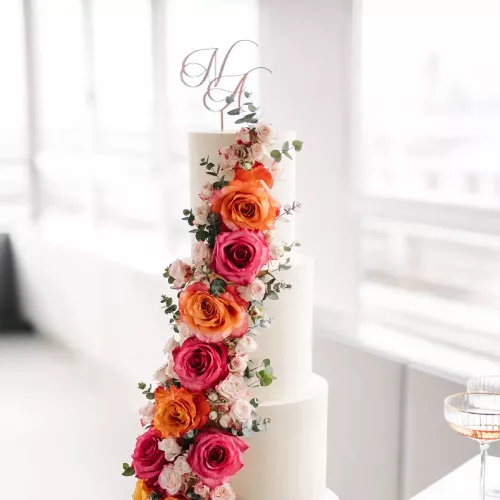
(387, 438)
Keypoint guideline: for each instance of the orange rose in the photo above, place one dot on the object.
(257, 173)
(142, 491)
(210, 318)
(246, 205)
(178, 411)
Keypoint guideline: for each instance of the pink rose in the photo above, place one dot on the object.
(243, 136)
(216, 456)
(239, 255)
(199, 365)
(148, 460)
(181, 272)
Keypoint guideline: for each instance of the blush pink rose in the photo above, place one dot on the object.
(239, 255)
(243, 136)
(200, 365)
(216, 456)
(148, 460)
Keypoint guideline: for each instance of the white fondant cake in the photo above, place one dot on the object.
(289, 460)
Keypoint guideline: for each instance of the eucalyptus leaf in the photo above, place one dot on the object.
(273, 296)
(235, 111)
(297, 145)
(276, 155)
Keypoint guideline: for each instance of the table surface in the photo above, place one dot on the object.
(463, 482)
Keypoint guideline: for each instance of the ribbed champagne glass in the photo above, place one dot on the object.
(476, 416)
(488, 383)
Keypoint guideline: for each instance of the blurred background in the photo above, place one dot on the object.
(398, 104)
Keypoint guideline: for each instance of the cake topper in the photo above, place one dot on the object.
(212, 99)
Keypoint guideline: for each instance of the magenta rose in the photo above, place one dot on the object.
(239, 255)
(200, 365)
(216, 456)
(147, 459)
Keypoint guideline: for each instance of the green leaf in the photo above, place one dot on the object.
(251, 107)
(141, 386)
(241, 120)
(217, 287)
(235, 111)
(285, 146)
(230, 99)
(128, 472)
(150, 395)
(265, 378)
(266, 362)
(212, 173)
(249, 116)
(288, 155)
(247, 94)
(125, 465)
(186, 212)
(254, 402)
(253, 120)
(297, 145)
(276, 155)
(273, 296)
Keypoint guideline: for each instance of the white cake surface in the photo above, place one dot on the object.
(289, 460)
(288, 342)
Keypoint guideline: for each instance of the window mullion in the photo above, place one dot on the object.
(32, 107)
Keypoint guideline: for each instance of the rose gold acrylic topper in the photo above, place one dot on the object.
(211, 101)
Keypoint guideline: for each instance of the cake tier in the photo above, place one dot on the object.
(289, 460)
(207, 144)
(288, 342)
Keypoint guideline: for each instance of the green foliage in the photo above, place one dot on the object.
(254, 402)
(297, 145)
(217, 286)
(276, 155)
(127, 470)
(169, 306)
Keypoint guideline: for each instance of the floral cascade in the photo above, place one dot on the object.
(200, 407)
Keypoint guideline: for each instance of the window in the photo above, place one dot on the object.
(109, 117)
(430, 85)
(13, 136)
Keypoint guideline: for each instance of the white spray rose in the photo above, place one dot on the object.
(243, 136)
(201, 213)
(181, 466)
(257, 151)
(223, 492)
(169, 480)
(233, 387)
(200, 253)
(181, 272)
(207, 190)
(265, 134)
(226, 421)
(240, 411)
(238, 365)
(170, 447)
(254, 291)
(202, 489)
(147, 412)
(246, 344)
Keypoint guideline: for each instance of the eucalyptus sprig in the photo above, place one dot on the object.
(289, 210)
(277, 155)
(146, 390)
(214, 171)
(127, 470)
(249, 114)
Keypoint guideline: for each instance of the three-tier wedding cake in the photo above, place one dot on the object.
(236, 411)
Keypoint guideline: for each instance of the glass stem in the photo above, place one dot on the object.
(482, 485)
